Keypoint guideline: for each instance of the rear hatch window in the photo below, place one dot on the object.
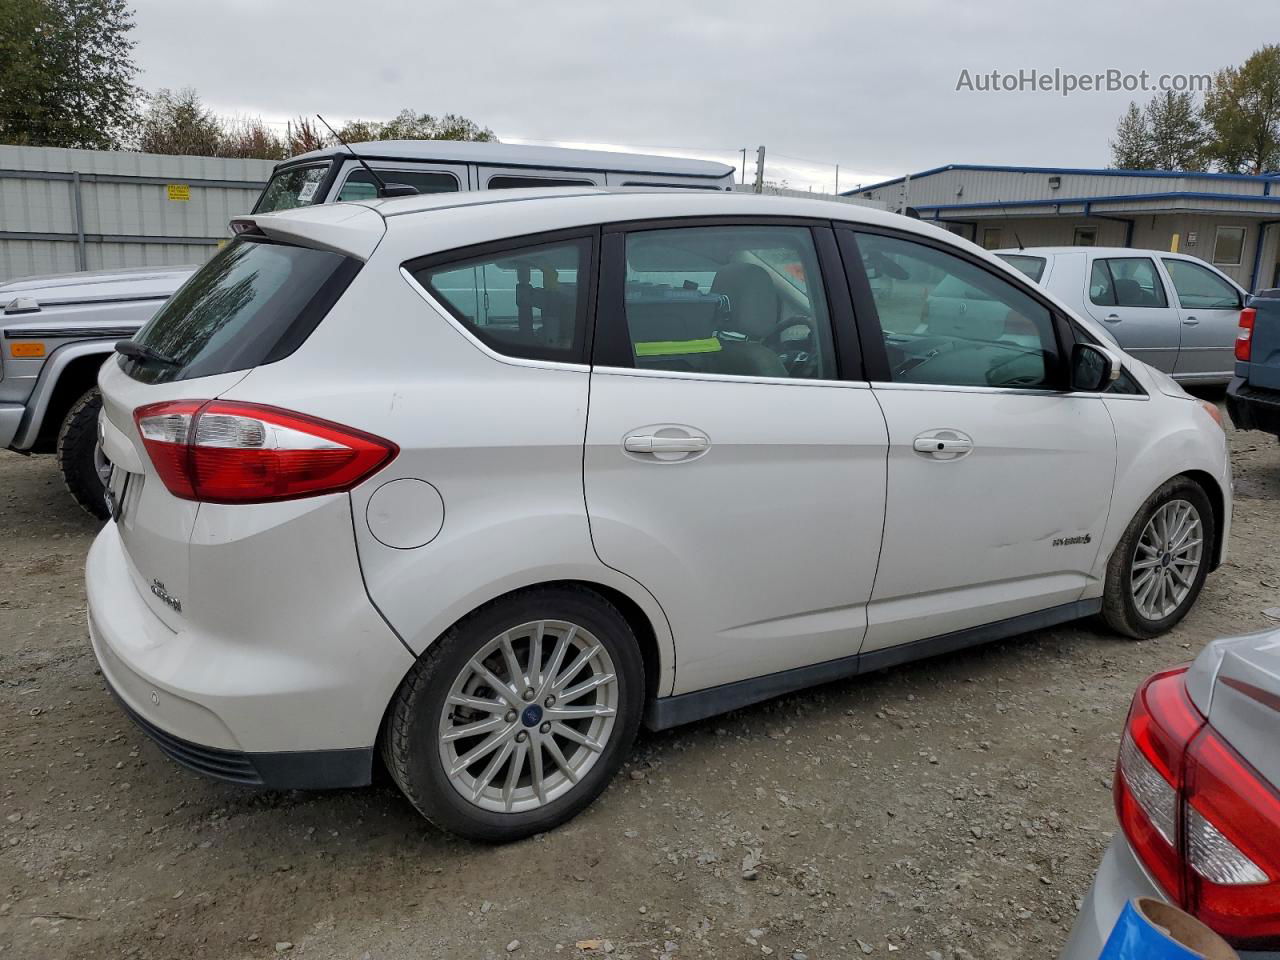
(255, 302)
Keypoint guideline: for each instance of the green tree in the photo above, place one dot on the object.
(179, 123)
(1132, 148)
(1243, 114)
(407, 125)
(66, 73)
(1177, 132)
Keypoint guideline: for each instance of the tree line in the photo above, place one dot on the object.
(1234, 129)
(67, 79)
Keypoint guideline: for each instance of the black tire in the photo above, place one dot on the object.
(410, 746)
(1119, 610)
(77, 454)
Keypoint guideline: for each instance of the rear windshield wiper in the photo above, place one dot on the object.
(140, 351)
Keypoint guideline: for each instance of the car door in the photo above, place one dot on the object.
(734, 465)
(999, 480)
(1127, 294)
(1209, 307)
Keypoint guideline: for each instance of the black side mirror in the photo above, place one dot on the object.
(398, 190)
(1093, 368)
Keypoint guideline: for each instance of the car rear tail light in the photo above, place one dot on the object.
(1244, 339)
(223, 452)
(1201, 819)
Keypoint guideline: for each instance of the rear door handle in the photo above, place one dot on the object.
(1190, 321)
(1112, 318)
(643, 443)
(943, 444)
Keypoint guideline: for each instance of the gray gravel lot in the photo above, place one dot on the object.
(954, 808)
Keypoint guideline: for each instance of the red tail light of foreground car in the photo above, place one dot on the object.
(1202, 820)
(221, 452)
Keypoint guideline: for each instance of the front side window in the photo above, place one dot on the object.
(528, 301)
(1228, 246)
(1126, 282)
(1033, 267)
(730, 300)
(360, 186)
(947, 321)
(295, 187)
(1199, 287)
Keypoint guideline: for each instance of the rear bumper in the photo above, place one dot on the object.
(1120, 878)
(245, 709)
(297, 770)
(1252, 408)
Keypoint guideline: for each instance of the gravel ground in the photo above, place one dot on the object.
(950, 809)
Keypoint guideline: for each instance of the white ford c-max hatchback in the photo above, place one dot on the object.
(480, 483)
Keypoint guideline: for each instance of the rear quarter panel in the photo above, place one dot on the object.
(501, 442)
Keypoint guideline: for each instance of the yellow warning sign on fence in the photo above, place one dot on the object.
(179, 191)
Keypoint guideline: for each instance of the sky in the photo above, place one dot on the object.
(871, 88)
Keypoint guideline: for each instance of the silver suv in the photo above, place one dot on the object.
(56, 331)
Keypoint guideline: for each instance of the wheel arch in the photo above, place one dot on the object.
(69, 372)
(1218, 500)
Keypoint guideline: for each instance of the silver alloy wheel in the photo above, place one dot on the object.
(528, 716)
(1167, 559)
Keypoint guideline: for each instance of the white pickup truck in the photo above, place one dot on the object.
(55, 332)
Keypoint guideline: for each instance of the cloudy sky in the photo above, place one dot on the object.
(872, 88)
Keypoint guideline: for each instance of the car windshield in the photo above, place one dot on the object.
(294, 187)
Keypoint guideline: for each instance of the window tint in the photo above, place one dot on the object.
(742, 301)
(360, 186)
(948, 321)
(507, 182)
(291, 188)
(1228, 246)
(255, 302)
(1198, 286)
(1033, 267)
(1126, 282)
(526, 301)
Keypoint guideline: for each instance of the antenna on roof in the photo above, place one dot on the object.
(384, 189)
(1019, 239)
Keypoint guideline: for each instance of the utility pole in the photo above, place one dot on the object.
(744, 165)
(837, 179)
(760, 169)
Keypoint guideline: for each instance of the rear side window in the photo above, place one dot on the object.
(1126, 282)
(296, 187)
(507, 182)
(360, 186)
(254, 303)
(528, 301)
(1033, 267)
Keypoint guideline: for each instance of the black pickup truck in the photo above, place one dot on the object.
(1253, 398)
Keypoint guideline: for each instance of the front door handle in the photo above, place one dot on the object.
(1190, 321)
(1112, 318)
(943, 444)
(644, 443)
